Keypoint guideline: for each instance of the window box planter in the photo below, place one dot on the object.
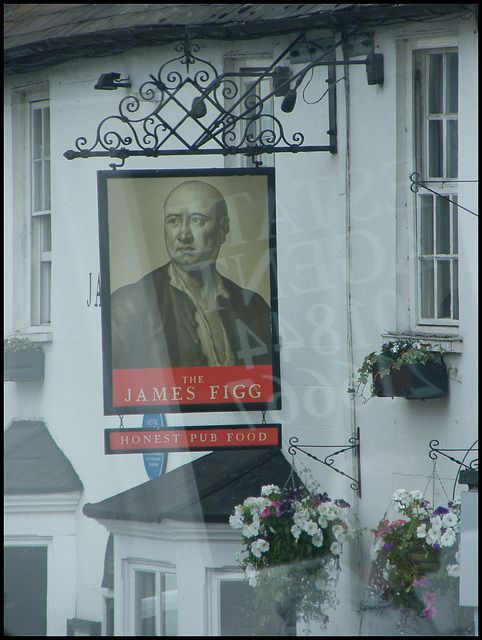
(24, 365)
(417, 381)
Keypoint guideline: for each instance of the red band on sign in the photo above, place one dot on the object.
(192, 386)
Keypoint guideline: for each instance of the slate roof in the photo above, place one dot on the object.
(206, 490)
(39, 35)
(34, 464)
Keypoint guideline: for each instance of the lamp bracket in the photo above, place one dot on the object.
(354, 445)
(225, 115)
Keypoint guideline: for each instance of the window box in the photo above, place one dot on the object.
(417, 381)
(24, 365)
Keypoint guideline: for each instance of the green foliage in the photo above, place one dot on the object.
(394, 355)
(15, 343)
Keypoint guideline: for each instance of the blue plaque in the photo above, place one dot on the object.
(154, 463)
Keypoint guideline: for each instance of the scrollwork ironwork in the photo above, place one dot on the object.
(219, 118)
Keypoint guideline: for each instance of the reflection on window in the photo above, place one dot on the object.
(155, 603)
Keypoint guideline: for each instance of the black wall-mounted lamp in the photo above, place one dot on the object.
(112, 80)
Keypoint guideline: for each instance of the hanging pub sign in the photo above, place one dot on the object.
(188, 290)
(128, 440)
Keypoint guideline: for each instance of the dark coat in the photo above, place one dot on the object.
(153, 325)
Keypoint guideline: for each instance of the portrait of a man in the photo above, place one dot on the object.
(184, 313)
(188, 310)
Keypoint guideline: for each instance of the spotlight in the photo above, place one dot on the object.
(198, 108)
(289, 101)
(110, 81)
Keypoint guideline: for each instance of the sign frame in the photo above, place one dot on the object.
(226, 437)
(250, 196)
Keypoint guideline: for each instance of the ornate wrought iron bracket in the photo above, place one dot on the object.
(329, 459)
(224, 114)
(473, 464)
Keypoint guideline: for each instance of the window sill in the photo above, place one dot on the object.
(449, 343)
(38, 334)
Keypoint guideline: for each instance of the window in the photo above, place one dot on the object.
(154, 601)
(231, 603)
(41, 238)
(436, 117)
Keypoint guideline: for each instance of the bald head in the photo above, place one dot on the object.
(196, 224)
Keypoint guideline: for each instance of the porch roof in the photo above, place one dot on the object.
(206, 490)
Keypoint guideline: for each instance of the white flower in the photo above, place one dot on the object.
(331, 569)
(295, 531)
(449, 520)
(433, 535)
(311, 527)
(317, 539)
(323, 522)
(251, 530)
(269, 489)
(339, 533)
(241, 555)
(416, 495)
(252, 575)
(436, 521)
(301, 517)
(422, 531)
(453, 570)
(448, 538)
(235, 522)
(258, 547)
(335, 548)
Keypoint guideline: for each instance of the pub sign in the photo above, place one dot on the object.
(189, 290)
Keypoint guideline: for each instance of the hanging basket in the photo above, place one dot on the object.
(417, 381)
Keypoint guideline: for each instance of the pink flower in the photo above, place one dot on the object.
(429, 612)
(421, 582)
(277, 505)
(430, 599)
(265, 513)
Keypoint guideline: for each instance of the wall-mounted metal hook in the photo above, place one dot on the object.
(329, 459)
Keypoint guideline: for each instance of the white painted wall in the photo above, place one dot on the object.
(337, 247)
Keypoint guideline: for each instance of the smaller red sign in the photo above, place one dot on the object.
(259, 436)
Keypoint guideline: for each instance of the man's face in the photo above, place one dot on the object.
(194, 225)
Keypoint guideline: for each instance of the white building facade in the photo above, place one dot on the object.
(363, 257)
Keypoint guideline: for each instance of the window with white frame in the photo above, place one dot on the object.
(41, 235)
(436, 145)
(153, 600)
(231, 603)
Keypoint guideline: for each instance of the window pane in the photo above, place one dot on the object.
(236, 603)
(46, 132)
(145, 601)
(427, 286)
(46, 185)
(169, 604)
(435, 149)
(443, 289)
(435, 83)
(37, 134)
(452, 74)
(455, 227)
(455, 289)
(452, 148)
(37, 186)
(426, 225)
(443, 226)
(46, 233)
(45, 285)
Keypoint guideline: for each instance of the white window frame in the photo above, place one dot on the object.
(22, 99)
(443, 185)
(408, 321)
(214, 577)
(130, 605)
